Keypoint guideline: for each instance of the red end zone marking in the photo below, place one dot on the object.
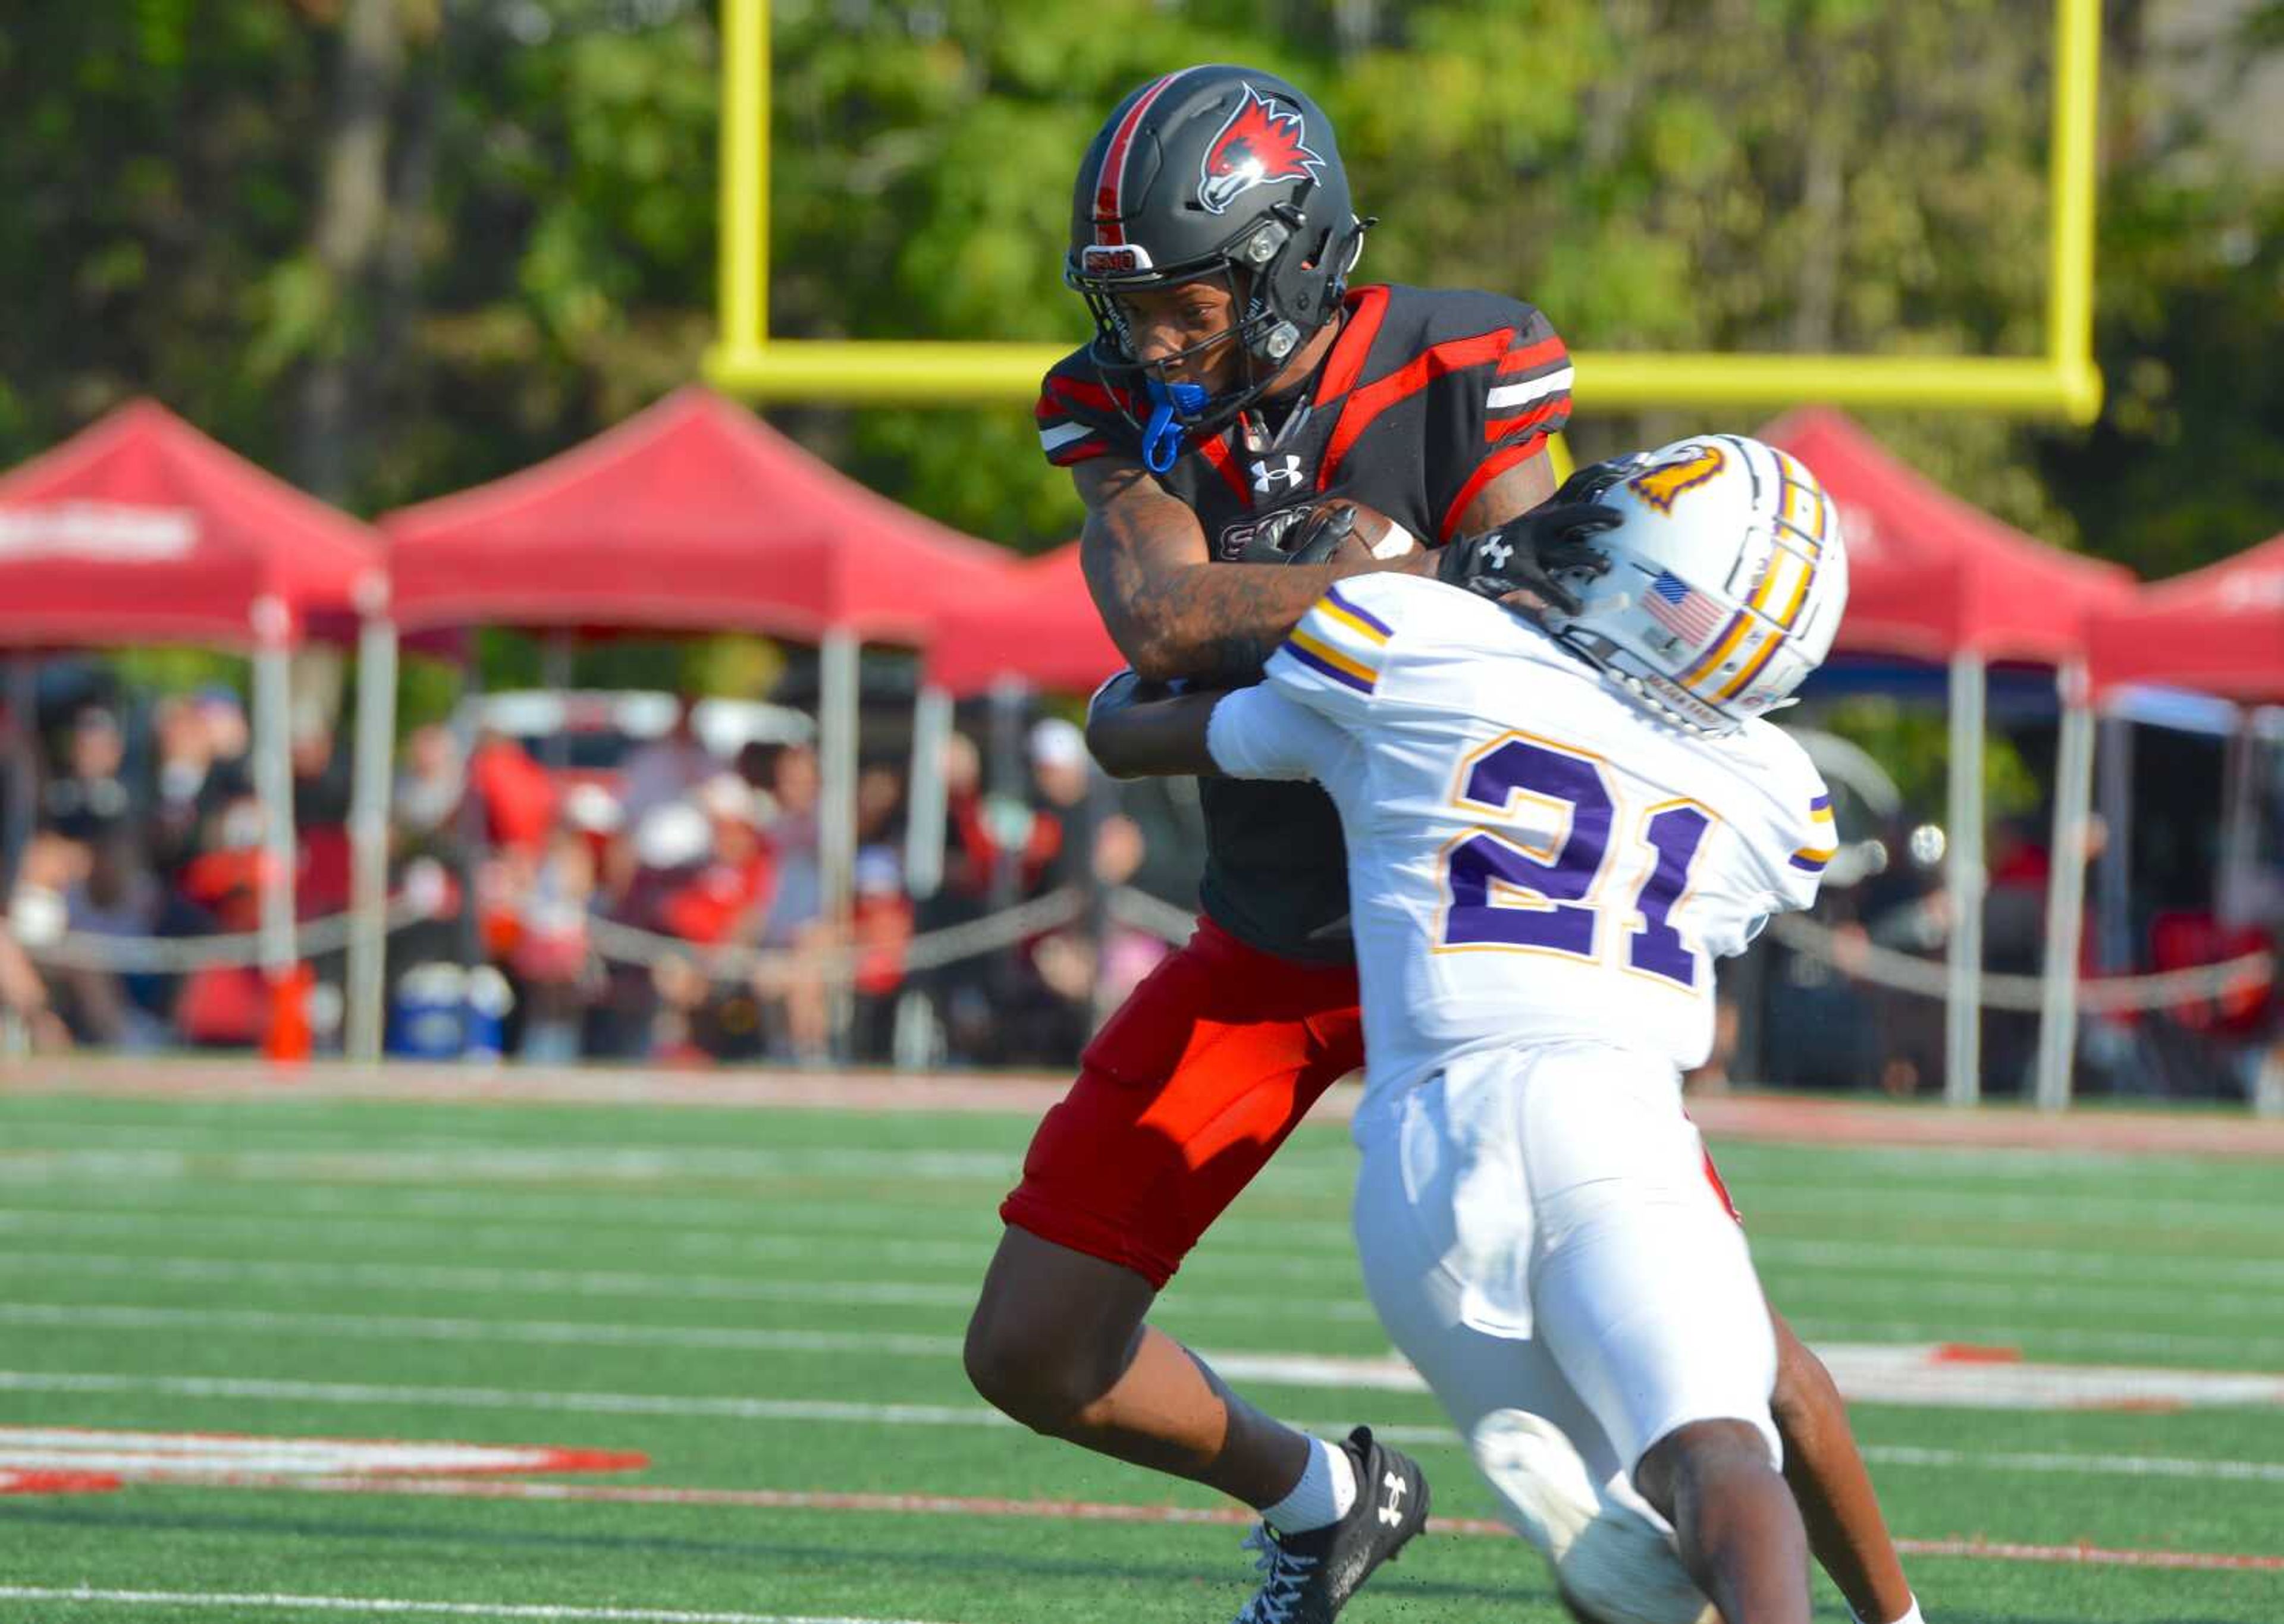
(1971, 1353)
(1095, 1511)
(57, 1483)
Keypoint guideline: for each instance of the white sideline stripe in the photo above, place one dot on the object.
(390, 1605)
(502, 1398)
(1817, 1199)
(483, 1162)
(1184, 1305)
(1872, 1373)
(2105, 1465)
(631, 1165)
(260, 1389)
(516, 1233)
(594, 1283)
(1303, 1245)
(556, 1333)
(1915, 1261)
(519, 1234)
(865, 1215)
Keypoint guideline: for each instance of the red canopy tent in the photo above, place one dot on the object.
(2219, 629)
(140, 529)
(1041, 627)
(1931, 576)
(691, 514)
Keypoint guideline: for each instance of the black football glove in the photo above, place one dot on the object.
(1526, 554)
(1588, 483)
(1309, 535)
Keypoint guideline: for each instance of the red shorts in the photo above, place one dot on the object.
(1183, 1097)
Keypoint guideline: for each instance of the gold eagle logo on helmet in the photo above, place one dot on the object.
(1661, 485)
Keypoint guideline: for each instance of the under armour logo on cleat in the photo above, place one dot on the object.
(1392, 1513)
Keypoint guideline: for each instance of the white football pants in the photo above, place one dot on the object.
(1538, 1232)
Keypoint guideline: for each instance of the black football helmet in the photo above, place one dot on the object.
(1213, 172)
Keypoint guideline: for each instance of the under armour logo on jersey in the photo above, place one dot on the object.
(1391, 1511)
(1496, 552)
(1268, 480)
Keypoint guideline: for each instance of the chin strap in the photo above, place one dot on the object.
(1161, 436)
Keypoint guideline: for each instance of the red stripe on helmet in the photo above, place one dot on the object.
(1110, 182)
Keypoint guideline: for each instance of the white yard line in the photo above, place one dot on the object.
(1915, 1260)
(866, 1215)
(365, 1327)
(480, 1164)
(265, 1390)
(522, 1235)
(1870, 1374)
(518, 1235)
(597, 1283)
(391, 1606)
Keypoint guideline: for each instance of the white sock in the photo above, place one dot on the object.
(1911, 1614)
(1327, 1488)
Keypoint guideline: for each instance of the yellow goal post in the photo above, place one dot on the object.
(2063, 382)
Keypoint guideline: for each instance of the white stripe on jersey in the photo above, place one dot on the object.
(1062, 435)
(1533, 389)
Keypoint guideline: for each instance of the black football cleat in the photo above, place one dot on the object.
(1308, 1578)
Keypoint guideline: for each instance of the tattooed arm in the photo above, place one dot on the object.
(1172, 611)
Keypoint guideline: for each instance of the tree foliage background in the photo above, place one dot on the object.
(392, 247)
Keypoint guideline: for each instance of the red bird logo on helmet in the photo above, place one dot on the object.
(1259, 142)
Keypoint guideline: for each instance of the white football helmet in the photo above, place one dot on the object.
(1725, 585)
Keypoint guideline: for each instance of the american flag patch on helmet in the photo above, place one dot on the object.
(1681, 608)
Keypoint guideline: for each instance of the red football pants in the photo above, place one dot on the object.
(1184, 1096)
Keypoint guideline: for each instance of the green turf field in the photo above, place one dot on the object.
(771, 1301)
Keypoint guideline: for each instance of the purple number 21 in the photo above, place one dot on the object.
(1556, 913)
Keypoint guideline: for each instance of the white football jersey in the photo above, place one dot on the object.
(1533, 857)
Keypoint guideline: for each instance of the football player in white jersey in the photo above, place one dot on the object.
(1553, 830)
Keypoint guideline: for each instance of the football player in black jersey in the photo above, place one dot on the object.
(1236, 389)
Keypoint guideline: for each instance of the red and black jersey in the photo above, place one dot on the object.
(1425, 397)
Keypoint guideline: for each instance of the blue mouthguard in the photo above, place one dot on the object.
(1162, 437)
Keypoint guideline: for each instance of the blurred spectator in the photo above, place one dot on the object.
(427, 785)
(190, 783)
(792, 991)
(24, 999)
(228, 734)
(516, 794)
(669, 767)
(726, 898)
(88, 798)
(112, 895)
(551, 958)
(879, 930)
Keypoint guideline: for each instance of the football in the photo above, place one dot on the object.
(1338, 530)
(1375, 536)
